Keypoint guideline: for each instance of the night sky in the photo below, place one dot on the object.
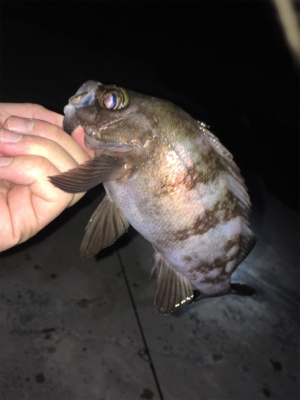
(226, 63)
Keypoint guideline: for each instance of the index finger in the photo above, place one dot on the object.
(29, 110)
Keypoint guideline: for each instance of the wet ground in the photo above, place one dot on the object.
(88, 330)
(74, 330)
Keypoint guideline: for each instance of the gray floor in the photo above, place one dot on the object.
(69, 329)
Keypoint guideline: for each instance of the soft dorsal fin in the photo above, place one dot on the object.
(235, 180)
(104, 227)
(172, 288)
(238, 188)
(89, 174)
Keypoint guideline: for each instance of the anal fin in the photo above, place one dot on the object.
(172, 288)
(105, 226)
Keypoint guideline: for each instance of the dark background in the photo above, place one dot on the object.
(226, 63)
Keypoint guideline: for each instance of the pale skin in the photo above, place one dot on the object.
(34, 146)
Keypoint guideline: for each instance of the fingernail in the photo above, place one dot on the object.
(9, 137)
(5, 161)
(21, 125)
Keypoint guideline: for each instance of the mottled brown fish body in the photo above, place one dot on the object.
(176, 185)
(186, 210)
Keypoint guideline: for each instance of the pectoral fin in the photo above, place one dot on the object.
(172, 288)
(82, 178)
(105, 226)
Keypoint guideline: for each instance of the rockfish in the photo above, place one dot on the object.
(169, 177)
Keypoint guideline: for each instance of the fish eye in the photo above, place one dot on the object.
(114, 99)
(111, 101)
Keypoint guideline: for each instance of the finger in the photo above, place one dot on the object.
(49, 131)
(28, 110)
(32, 171)
(37, 146)
(28, 202)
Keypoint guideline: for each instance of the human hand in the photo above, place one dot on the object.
(33, 146)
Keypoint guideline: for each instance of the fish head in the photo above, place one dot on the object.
(114, 119)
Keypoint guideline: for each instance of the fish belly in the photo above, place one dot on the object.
(197, 230)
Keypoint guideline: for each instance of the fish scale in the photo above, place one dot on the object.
(170, 178)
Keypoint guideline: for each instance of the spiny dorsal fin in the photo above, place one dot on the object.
(89, 174)
(104, 227)
(172, 288)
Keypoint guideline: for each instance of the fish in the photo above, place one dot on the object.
(170, 178)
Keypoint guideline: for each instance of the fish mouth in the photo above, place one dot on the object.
(85, 96)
